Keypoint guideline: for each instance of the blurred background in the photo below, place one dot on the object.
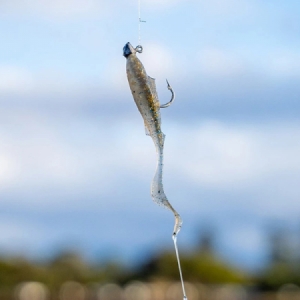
(76, 216)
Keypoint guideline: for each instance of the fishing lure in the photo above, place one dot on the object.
(144, 93)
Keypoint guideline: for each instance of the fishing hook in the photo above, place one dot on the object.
(173, 96)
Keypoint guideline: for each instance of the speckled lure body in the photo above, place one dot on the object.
(144, 93)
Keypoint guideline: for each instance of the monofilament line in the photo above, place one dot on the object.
(179, 266)
(139, 21)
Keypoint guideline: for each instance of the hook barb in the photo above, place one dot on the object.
(173, 96)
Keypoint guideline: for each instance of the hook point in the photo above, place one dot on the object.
(169, 87)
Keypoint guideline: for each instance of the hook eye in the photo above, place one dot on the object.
(139, 49)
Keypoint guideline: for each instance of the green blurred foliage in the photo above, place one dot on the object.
(202, 265)
(196, 267)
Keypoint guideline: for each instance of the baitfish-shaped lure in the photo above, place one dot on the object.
(143, 90)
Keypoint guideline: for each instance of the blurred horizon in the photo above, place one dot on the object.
(75, 163)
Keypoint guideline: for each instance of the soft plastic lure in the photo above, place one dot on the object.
(144, 94)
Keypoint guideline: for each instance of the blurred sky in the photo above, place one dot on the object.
(75, 163)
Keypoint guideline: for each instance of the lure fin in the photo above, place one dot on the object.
(153, 88)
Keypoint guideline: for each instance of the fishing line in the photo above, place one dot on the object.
(139, 21)
(179, 267)
(157, 192)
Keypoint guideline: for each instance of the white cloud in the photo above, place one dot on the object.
(61, 9)
(157, 4)
(69, 155)
(157, 60)
(278, 64)
(116, 76)
(227, 8)
(218, 62)
(34, 150)
(15, 80)
(25, 86)
(216, 154)
(8, 168)
(283, 64)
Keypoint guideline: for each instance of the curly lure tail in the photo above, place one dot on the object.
(158, 194)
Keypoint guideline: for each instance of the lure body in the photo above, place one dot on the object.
(144, 93)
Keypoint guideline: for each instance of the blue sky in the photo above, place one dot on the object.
(76, 165)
